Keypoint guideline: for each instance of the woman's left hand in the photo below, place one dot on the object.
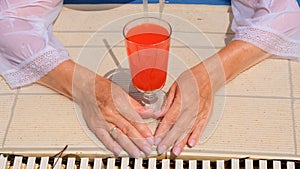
(190, 100)
(187, 108)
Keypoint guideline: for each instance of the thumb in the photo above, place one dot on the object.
(141, 110)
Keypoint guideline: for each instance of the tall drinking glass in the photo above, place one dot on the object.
(147, 43)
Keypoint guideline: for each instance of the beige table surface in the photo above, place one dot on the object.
(257, 115)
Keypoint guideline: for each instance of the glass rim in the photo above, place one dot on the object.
(150, 17)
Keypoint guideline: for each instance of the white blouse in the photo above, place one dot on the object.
(272, 25)
(29, 50)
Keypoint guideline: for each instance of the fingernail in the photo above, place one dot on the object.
(176, 151)
(157, 113)
(150, 140)
(141, 110)
(147, 150)
(136, 154)
(117, 150)
(192, 142)
(144, 110)
(157, 140)
(161, 149)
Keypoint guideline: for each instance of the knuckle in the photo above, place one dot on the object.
(168, 121)
(127, 129)
(117, 136)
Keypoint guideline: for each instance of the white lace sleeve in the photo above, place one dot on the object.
(272, 25)
(28, 48)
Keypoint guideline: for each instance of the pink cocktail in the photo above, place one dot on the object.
(148, 44)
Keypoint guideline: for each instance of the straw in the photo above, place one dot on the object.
(145, 3)
(161, 7)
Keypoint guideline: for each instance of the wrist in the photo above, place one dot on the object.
(229, 62)
(60, 78)
(238, 56)
(210, 71)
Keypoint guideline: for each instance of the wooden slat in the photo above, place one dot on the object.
(263, 164)
(206, 164)
(71, 163)
(165, 164)
(192, 164)
(3, 161)
(235, 163)
(30, 163)
(178, 164)
(290, 165)
(98, 163)
(248, 164)
(84, 163)
(111, 163)
(138, 163)
(276, 164)
(17, 162)
(124, 162)
(152, 163)
(57, 163)
(44, 163)
(220, 164)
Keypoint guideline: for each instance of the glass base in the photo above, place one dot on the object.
(154, 100)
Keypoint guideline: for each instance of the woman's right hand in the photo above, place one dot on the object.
(110, 113)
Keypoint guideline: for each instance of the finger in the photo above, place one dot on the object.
(108, 141)
(179, 130)
(195, 135)
(178, 147)
(141, 110)
(170, 139)
(126, 143)
(168, 102)
(126, 109)
(182, 127)
(137, 130)
(167, 122)
(200, 124)
(131, 132)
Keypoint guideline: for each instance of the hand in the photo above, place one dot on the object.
(108, 111)
(190, 98)
(187, 108)
(113, 120)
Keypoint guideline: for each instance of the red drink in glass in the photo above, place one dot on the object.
(147, 43)
(147, 47)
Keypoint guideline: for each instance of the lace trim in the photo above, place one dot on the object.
(273, 43)
(35, 69)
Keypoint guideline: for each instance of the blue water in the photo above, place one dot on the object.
(211, 2)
